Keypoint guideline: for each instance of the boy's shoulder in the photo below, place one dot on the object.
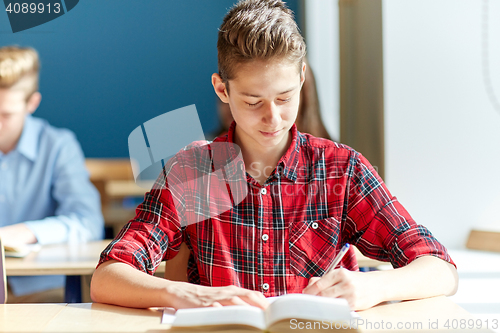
(45, 131)
(329, 155)
(39, 138)
(311, 143)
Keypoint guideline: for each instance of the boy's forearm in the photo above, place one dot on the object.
(424, 277)
(117, 283)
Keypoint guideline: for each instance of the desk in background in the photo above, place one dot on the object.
(114, 179)
(76, 261)
(479, 282)
(72, 260)
(58, 259)
(96, 317)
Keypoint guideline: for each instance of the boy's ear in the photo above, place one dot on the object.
(220, 88)
(303, 73)
(34, 102)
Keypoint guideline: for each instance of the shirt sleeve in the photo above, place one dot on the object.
(155, 233)
(379, 225)
(78, 215)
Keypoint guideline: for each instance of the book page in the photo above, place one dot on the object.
(308, 307)
(168, 316)
(226, 315)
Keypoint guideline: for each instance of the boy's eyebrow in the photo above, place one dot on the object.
(258, 96)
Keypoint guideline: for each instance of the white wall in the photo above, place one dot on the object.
(322, 38)
(442, 133)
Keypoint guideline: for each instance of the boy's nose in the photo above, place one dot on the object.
(272, 116)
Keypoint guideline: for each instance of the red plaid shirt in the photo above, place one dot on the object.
(321, 196)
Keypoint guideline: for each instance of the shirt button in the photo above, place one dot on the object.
(265, 286)
(314, 225)
(2, 198)
(263, 191)
(3, 166)
(265, 237)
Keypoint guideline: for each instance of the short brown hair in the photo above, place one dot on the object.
(258, 29)
(19, 64)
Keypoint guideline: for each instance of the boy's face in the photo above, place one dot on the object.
(13, 110)
(264, 101)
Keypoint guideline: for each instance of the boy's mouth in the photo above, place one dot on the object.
(271, 134)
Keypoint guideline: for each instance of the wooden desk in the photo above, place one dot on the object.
(27, 317)
(114, 180)
(60, 259)
(418, 315)
(88, 317)
(72, 260)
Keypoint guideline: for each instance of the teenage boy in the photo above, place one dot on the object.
(307, 197)
(45, 193)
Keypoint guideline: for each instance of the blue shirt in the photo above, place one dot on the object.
(44, 184)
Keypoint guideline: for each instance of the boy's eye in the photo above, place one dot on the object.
(252, 105)
(286, 100)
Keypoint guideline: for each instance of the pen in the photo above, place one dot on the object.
(337, 259)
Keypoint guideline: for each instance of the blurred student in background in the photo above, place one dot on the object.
(45, 193)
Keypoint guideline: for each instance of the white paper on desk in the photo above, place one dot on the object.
(168, 316)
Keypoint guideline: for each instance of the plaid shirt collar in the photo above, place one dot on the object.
(288, 163)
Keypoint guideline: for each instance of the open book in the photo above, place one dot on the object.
(286, 313)
(20, 251)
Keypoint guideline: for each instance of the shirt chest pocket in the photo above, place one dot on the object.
(313, 246)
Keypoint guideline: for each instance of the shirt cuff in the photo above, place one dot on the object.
(48, 230)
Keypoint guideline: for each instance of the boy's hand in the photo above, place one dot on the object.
(17, 234)
(355, 287)
(187, 295)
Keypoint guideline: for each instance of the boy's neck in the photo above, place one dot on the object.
(260, 161)
(9, 144)
(7, 147)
